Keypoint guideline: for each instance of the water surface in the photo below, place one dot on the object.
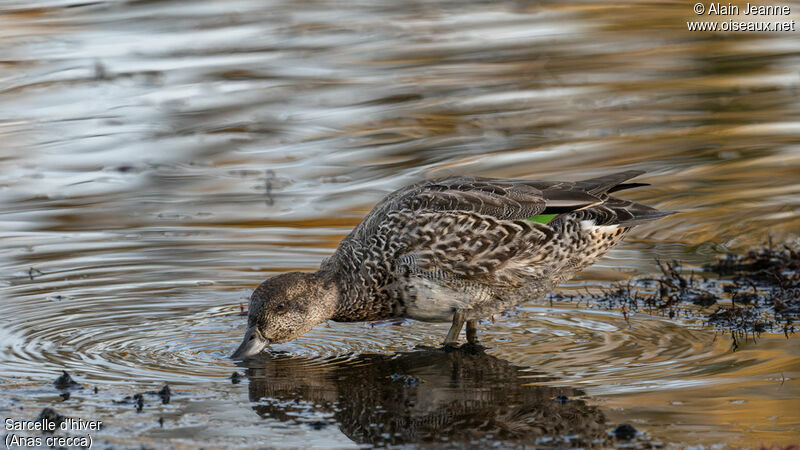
(158, 160)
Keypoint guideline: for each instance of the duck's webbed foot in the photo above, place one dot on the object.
(455, 329)
(472, 331)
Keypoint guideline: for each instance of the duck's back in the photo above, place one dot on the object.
(480, 245)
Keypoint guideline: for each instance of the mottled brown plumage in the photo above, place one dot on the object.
(451, 249)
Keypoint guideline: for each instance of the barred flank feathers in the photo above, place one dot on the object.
(495, 236)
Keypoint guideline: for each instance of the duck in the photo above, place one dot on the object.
(455, 249)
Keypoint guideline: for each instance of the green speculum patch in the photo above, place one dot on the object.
(542, 218)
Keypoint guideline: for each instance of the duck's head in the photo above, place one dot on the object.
(284, 307)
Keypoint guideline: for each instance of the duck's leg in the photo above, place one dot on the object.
(472, 331)
(455, 329)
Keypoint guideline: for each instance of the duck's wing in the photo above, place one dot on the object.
(475, 228)
(503, 199)
(499, 198)
(464, 246)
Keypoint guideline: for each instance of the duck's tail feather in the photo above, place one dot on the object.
(607, 183)
(628, 213)
(623, 186)
(615, 210)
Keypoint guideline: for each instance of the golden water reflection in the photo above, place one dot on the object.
(158, 160)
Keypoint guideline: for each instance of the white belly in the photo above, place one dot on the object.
(434, 302)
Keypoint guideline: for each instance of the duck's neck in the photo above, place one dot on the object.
(328, 295)
(336, 283)
(356, 303)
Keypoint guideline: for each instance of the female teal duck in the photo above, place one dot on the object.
(452, 249)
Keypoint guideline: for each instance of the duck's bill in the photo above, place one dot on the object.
(251, 345)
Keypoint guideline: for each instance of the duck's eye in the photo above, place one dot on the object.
(281, 308)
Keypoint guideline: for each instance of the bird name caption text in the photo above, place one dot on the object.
(751, 15)
(66, 424)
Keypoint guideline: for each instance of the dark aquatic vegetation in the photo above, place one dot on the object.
(50, 420)
(751, 294)
(455, 249)
(767, 264)
(704, 299)
(165, 394)
(65, 382)
(625, 432)
(318, 425)
(138, 400)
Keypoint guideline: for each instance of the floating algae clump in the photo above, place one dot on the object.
(743, 294)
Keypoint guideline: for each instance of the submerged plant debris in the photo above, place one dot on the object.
(138, 399)
(745, 295)
(50, 415)
(65, 382)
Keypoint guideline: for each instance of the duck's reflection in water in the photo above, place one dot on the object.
(431, 395)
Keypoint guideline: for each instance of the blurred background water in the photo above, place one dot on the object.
(158, 159)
